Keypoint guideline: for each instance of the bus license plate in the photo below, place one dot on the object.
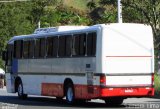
(128, 90)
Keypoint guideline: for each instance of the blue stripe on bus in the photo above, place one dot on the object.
(15, 65)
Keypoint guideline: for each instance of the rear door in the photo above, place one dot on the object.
(9, 68)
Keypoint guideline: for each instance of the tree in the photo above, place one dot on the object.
(91, 5)
(38, 10)
(13, 21)
(150, 12)
(71, 16)
(107, 2)
(103, 12)
(141, 11)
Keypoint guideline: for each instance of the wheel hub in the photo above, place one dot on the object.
(70, 94)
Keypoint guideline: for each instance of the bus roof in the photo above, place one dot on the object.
(66, 29)
(56, 30)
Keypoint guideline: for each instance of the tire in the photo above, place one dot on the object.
(59, 98)
(80, 101)
(21, 95)
(114, 101)
(69, 92)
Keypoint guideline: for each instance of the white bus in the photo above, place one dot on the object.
(106, 61)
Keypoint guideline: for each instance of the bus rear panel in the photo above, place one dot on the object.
(128, 61)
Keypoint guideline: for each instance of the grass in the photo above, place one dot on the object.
(77, 4)
(157, 84)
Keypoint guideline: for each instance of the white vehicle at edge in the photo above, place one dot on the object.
(110, 62)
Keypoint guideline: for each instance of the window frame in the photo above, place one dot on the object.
(53, 47)
(81, 44)
(75, 45)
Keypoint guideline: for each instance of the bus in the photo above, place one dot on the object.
(111, 62)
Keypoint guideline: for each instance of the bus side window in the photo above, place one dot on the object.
(91, 44)
(75, 49)
(37, 48)
(42, 47)
(82, 42)
(9, 54)
(25, 49)
(49, 46)
(55, 46)
(31, 48)
(94, 41)
(18, 48)
(68, 45)
(61, 51)
(52, 46)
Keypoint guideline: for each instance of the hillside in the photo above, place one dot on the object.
(77, 4)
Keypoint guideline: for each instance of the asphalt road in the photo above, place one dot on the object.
(11, 101)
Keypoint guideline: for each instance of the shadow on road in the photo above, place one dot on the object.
(45, 101)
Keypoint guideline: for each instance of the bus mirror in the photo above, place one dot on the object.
(4, 54)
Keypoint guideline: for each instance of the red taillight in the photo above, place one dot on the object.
(103, 80)
(152, 79)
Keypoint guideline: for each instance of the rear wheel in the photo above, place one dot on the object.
(59, 98)
(80, 101)
(21, 94)
(69, 92)
(114, 101)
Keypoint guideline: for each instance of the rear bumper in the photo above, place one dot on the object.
(127, 92)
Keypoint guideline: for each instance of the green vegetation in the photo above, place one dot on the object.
(78, 4)
(18, 18)
(157, 84)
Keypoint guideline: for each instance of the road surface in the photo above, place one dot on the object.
(11, 101)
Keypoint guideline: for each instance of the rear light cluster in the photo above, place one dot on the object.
(103, 80)
(152, 79)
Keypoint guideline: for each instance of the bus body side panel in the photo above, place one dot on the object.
(47, 76)
(11, 73)
(128, 60)
(48, 80)
(9, 83)
(49, 87)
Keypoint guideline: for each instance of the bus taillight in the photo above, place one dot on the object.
(103, 80)
(152, 79)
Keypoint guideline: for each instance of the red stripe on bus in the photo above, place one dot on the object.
(52, 89)
(127, 92)
(91, 92)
